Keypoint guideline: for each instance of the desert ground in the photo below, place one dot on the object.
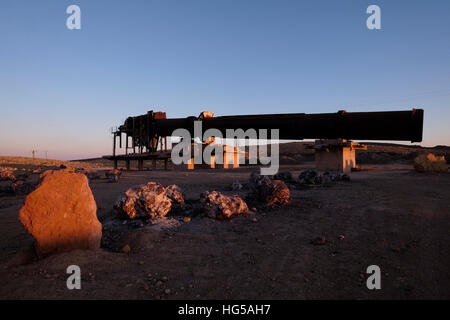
(386, 215)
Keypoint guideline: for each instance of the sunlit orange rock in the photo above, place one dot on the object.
(219, 206)
(148, 200)
(61, 213)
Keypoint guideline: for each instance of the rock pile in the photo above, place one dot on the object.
(312, 177)
(61, 213)
(219, 206)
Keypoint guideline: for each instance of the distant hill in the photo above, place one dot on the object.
(25, 163)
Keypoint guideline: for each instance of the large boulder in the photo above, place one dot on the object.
(219, 206)
(149, 200)
(61, 213)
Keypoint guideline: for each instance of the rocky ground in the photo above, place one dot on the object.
(387, 215)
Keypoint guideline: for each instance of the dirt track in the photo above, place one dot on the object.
(389, 216)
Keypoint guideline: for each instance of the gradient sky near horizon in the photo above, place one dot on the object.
(61, 90)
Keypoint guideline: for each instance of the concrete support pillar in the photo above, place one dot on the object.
(336, 155)
(190, 164)
(230, 157)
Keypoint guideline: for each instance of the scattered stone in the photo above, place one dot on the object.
(310, 176)
(113, 175)
(126, 249)
(20, 188)
(187, 219)
(91, 174)
(149, 200)
(38, 170)
(5, 175)
(254, 220)
(61, 213)
(284, 176)
(341, 237)
(430, 163)
(6, 188)
(219, 206)
(167, 291)
(329, 176)
(23, 176)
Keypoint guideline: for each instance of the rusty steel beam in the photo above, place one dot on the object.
(385, 125)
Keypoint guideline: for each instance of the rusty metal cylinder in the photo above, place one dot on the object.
(385, 125)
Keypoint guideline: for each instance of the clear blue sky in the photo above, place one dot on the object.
(61, 90)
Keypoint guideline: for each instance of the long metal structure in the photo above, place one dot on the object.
(146, 130)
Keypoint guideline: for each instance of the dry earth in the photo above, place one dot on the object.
(389, 215)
